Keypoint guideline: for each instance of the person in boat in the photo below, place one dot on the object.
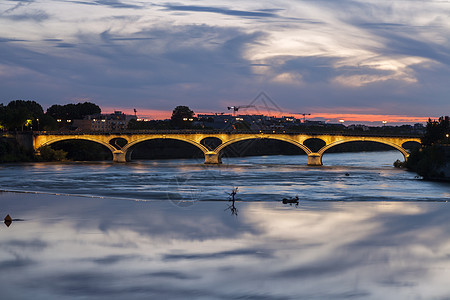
(290, 200)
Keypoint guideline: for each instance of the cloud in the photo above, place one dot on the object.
(113, 259)
(182, 57)
(19, 4)
(218, 255)
(7, 40)
(109, 3)
(266, 13)
(34, 15)
(361, 53)
(65, 45)
(172, 275)
(14, 264)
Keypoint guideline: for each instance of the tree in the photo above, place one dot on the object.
(20, 114)
(428, 160)
(182, 117)
(436, 131)
(73, 111)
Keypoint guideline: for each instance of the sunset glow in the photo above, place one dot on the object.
(349, 118)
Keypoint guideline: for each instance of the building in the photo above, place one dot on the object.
(116, 121)
(254, 122)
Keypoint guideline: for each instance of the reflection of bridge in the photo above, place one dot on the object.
(122, 150)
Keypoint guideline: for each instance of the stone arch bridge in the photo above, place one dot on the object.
(213, 156)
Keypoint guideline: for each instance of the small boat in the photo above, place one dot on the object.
(291, 200)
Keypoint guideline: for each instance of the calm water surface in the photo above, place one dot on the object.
(163, 230)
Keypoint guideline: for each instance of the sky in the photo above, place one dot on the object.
(362, 61)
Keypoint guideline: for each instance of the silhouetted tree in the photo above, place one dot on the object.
(436, 131)
(20, 114)
(427, 160)
(73, 111)
(182, 117)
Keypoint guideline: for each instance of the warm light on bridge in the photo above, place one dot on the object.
(213, 156)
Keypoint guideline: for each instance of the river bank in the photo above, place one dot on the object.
(431, 162)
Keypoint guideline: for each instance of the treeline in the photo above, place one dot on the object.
(26, 115)
(432, 160)
(11, 151)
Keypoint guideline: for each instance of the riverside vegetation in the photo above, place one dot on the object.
(432, 160)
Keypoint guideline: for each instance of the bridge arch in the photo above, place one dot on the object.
(128, 148)
(220, 148)
(61, 139)
(118, 142)
(314, 144)
(134, 143)
(411, 145)
(211, 142)
(393, 145)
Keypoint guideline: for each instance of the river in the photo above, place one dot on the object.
(165, 229)
(366, 176)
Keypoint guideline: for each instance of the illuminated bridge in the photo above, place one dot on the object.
(129, 140)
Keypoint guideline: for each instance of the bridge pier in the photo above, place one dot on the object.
(212, 158)
(119, 156)
(314, 159)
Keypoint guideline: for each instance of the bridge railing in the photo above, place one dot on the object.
(213, 132)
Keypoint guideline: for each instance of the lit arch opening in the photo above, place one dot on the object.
(314, 144)
(362, 153)
(82, 150)
(164, 149)
(260, 147)
(118, 143)
(211, 143)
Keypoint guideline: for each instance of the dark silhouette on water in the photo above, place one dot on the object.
(291, 201)
(8, 220)
(232, 207)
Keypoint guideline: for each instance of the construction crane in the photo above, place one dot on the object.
(304, 116)
(236, 108)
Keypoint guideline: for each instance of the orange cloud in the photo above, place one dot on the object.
(152, 114)
(369, 118)
(349, 118)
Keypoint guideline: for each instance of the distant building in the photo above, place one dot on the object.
(358, 127)
(256, 122)
(419, 128)
(316, 123)
(116, 121)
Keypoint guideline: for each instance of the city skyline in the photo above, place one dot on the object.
(362, 61)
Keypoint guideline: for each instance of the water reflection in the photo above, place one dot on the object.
(232, 208)
(113, 249)
(8, 220)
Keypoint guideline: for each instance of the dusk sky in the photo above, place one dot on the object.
(363, 61)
